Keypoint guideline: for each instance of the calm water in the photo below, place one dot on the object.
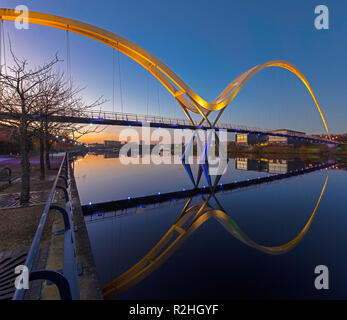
(222, 258)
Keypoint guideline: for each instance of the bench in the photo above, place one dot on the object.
(6, 175)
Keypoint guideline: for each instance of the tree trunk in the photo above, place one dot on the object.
(42, 159)
(25, 164)
(48, 159)
(47, 144)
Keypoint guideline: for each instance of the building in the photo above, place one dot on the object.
(292, 139)
(95, 146)
(250, 138)
(112, 144)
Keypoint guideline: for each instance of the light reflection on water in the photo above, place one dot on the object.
(212, 263)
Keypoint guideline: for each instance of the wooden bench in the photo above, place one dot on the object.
(6, 175)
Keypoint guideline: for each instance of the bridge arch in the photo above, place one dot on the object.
(172, 82)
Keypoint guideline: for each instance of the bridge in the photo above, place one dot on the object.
(191, 103)
(135, 120)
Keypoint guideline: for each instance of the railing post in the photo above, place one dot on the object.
(57, 278)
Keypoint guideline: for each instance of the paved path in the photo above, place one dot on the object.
(11, 200)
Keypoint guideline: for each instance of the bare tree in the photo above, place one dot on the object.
(19, 93)
(31, 97)
(61, 98)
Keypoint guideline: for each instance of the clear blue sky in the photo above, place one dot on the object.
(208, 44)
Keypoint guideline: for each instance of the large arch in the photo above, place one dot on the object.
(172, 82)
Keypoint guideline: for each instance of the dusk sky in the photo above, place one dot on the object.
(208, 44)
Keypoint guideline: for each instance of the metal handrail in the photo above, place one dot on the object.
(132, 117)
(107, 115)
(67, 281)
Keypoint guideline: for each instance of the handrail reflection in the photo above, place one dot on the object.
(189, 221)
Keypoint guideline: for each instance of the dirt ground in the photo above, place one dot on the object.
(18, 225)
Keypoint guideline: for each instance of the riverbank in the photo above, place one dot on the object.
(287, 152)
(19, 224)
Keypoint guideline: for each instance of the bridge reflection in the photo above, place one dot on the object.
(193, 216)
(189, 220)
(286, 169)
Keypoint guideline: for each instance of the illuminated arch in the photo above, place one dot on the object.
(194, 217)
(173, 83)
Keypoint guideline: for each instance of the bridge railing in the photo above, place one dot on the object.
(107, 115)
(67, 281)
(127, 117)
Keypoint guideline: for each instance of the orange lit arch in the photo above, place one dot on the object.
(173, 83)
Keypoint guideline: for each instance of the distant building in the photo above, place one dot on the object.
(95, 145)
(250, 138)
(112, 144)
(292, 139)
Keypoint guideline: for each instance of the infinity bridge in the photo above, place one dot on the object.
(191, 218)
(188, 100)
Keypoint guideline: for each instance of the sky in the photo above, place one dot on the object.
(207, 44)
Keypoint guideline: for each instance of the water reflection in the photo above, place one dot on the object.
(111, 155)
(139, 261)
(189, 220)
(273, 166)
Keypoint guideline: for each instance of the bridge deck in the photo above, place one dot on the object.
(126, 119)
